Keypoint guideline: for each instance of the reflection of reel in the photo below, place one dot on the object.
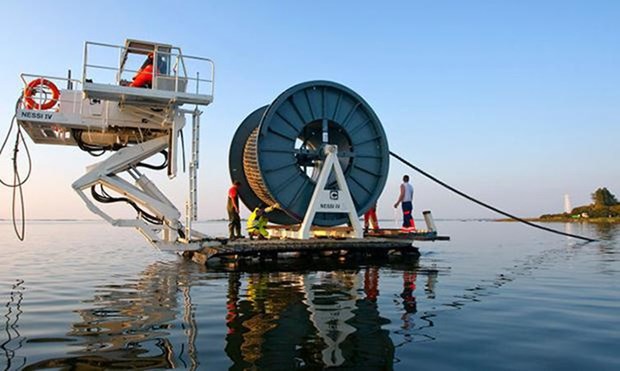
(41, 86)
(276, 153)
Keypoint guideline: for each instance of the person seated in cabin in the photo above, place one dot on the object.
(258, 221)
(144, 76)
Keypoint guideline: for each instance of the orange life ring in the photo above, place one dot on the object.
(31, 90)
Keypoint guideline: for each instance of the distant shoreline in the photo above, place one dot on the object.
(615, 220)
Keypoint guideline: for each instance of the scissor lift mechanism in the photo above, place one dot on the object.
(137, 123)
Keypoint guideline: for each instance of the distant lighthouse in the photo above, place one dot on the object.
(567, 206)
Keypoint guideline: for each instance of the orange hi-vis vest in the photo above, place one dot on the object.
(144, 77)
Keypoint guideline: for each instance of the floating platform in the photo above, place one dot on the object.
(416, 235)
(317, 262)
(374, 244)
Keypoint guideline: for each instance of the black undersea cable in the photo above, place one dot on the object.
(156, 167)
(484, 204)
(17, 182)
(105, 197)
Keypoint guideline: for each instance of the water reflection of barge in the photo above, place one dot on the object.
(319, 319)
(289, 317)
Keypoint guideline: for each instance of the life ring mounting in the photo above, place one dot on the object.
(41, 86)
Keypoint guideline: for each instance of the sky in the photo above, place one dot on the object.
(516, 103)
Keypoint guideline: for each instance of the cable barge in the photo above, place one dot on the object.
(318, 151)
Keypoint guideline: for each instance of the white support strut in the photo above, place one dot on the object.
(331, 201)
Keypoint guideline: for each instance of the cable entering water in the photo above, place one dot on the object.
(484, 204)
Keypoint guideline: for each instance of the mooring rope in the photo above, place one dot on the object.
(485, 204)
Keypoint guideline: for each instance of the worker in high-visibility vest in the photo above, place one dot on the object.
(258, 221)
(144, 77)
(370, 217)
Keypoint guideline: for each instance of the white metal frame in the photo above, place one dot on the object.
(331, 201)
(145, 193)
(155, 110)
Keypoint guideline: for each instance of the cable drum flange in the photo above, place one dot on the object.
(279, 148)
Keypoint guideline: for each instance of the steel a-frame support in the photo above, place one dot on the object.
(331, 200)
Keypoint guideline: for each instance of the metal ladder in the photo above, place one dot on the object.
(192, 203)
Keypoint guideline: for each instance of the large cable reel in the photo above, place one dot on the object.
(276, 152)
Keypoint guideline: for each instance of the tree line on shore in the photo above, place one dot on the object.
(604, 205)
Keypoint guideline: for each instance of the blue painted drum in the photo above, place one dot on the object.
(277, 150)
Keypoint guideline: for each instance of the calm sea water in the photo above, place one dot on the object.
(499, 296)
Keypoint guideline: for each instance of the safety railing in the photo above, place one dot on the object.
(175, 72)
(48, 93)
